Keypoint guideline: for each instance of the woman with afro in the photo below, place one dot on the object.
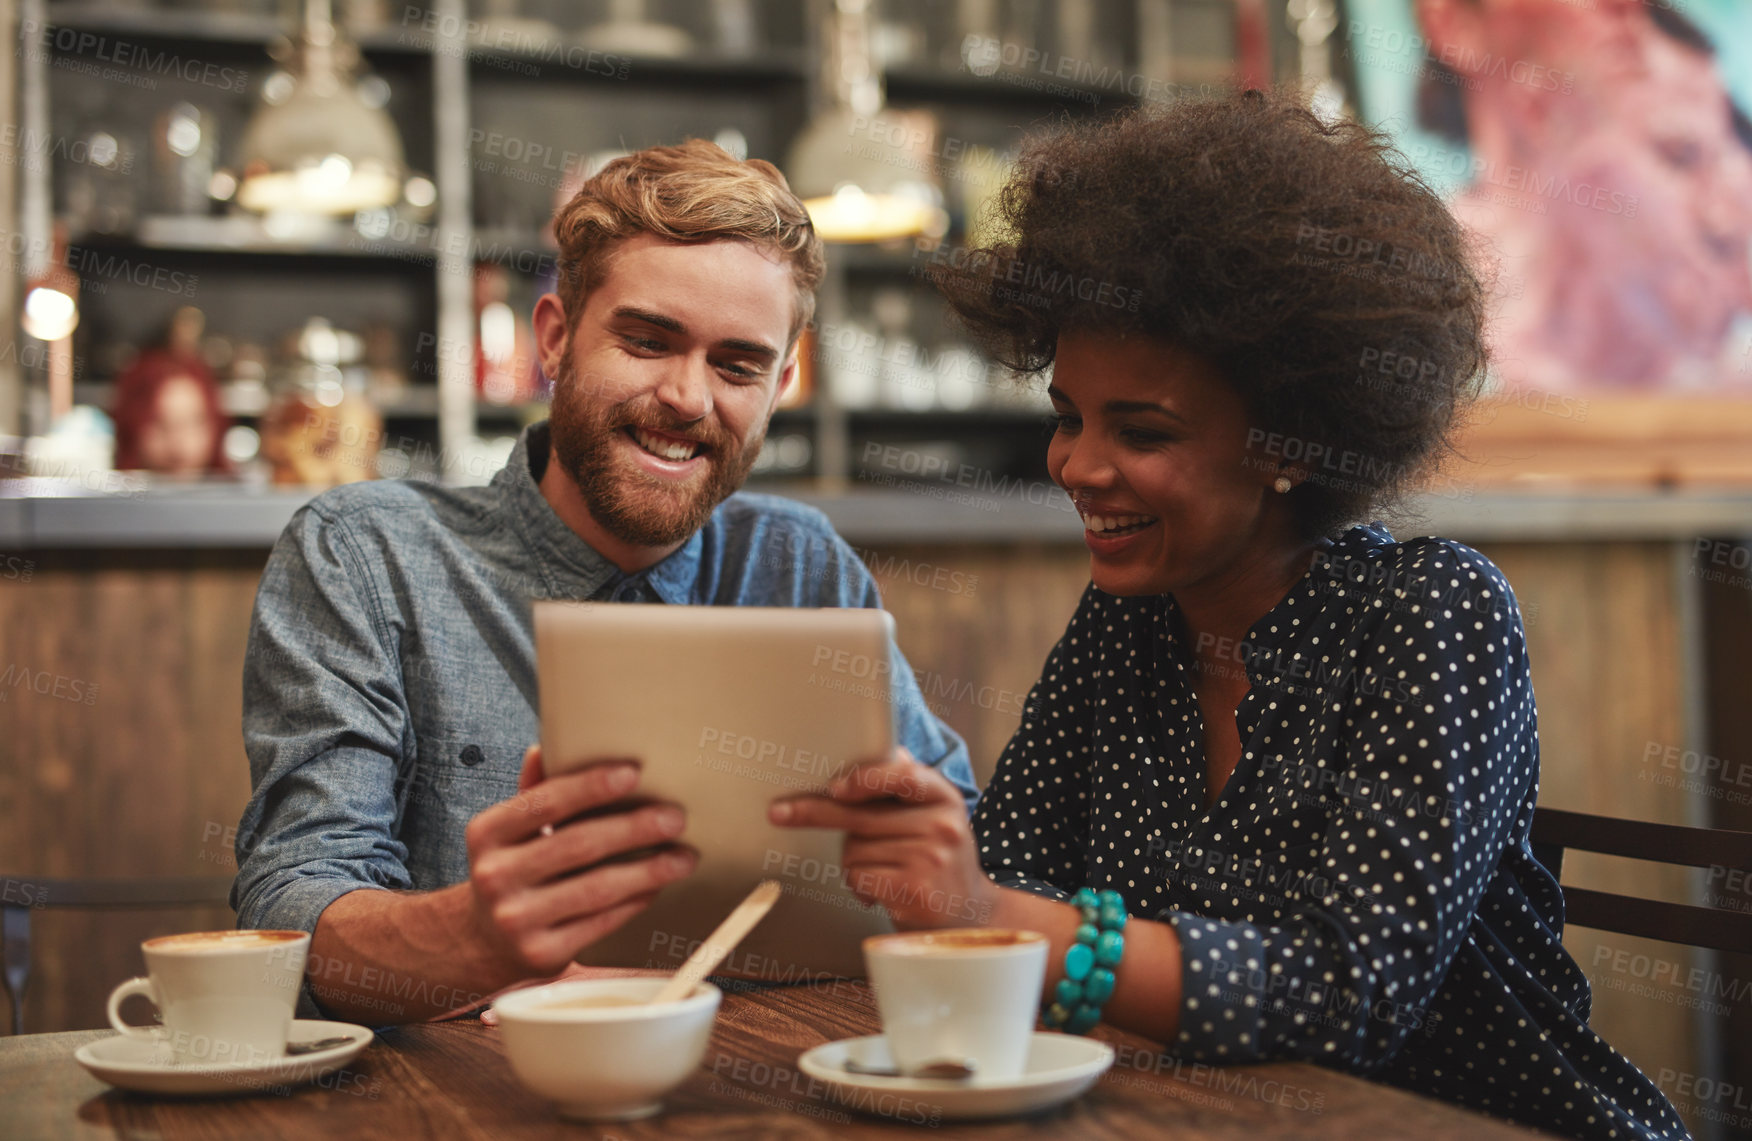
(1270, 798)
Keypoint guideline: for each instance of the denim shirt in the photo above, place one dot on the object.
(389, 689)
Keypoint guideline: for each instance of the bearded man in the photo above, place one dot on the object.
(399, 812)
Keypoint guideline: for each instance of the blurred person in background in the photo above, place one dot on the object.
(167, 414)
(1613, 181)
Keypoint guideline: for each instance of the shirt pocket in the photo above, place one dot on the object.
(452, 778)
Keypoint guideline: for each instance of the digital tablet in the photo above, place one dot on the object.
(727, 708)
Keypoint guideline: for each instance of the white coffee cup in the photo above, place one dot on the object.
(965, 994)
(225, 997)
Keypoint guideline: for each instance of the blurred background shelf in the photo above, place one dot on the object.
(538, 97)
(1005, 87)
(191, 26)
(583, 63)
(249, 234)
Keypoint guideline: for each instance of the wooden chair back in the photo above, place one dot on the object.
(1724, 929)
(25, 894)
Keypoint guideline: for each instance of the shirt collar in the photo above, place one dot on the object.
(570, 567)
(672, 580)
(1271, 634)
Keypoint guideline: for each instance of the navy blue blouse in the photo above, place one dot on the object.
(1362, 894)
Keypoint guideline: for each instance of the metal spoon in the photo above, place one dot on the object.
(942, 1069)
(318, 1045)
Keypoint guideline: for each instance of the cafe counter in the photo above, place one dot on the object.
(43, 513)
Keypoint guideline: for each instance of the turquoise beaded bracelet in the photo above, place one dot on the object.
(1089, 963)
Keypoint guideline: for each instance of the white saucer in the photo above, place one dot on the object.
(145, 1066)
(1060, 1067)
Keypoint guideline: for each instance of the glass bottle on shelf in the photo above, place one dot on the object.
(1074, 32)
(505, 358)
(1023, 28)
(976, 45)
(244, 379)
(961, 378)
(903, 384)
(901, 34)
(99, 178)
(737, 27)
(938, 29)
(1094, 37)
(386, 370)
(365, 16)
(503, 26)
(630, 29)
(185, 145)
(320, 429)
(849, 368)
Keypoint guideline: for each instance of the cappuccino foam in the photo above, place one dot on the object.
(214, 942)
(591, 1002)
(951, 941)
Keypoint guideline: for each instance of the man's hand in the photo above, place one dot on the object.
(908, 844)
(543, 868)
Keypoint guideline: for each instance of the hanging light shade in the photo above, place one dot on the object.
(868, 191)
(319, 148)
(864, 174)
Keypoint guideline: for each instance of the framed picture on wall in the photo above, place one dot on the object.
(1601, 152)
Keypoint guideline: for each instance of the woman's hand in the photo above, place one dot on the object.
(908, 843)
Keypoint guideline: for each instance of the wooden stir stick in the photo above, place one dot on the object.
(720, 943)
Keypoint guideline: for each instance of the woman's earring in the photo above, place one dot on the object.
(1283, 484)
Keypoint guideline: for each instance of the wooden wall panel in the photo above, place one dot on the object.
(141, 776)
(149, 777)
(978, 651)
(1727, 623)
(1604, 636)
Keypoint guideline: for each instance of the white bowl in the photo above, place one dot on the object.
(611, 1063)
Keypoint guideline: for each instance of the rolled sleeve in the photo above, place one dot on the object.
(1223, 989)
(325, 727)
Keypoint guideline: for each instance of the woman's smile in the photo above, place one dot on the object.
(1111, 533)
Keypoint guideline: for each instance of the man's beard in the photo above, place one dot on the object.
(635, 506)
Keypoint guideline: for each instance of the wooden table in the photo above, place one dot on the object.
(450, 1080)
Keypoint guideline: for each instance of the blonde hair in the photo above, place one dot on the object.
(694, 192)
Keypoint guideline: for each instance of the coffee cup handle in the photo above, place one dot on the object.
(128, 990)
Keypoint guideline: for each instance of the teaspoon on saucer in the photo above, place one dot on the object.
(314, 1047)
(943, 1069)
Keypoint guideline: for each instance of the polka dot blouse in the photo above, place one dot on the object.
(1362, 893)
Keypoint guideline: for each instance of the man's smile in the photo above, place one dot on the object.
(663, 445)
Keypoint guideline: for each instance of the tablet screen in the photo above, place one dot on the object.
(726, 708)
